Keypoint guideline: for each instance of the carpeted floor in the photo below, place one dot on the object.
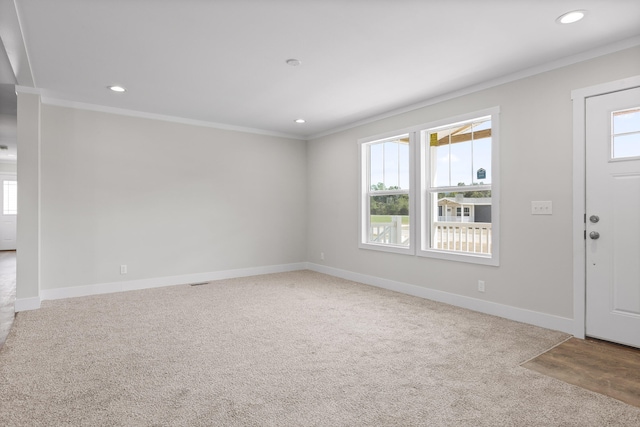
(291, 349)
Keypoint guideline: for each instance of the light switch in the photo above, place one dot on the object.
(541, 208)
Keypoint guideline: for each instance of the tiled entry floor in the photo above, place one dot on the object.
(600, 366)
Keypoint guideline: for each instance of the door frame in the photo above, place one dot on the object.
(13, 176)
(579, 97)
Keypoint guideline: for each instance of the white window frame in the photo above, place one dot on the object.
(424, 204)
(419, 203)
(365, 186)
(9, 197)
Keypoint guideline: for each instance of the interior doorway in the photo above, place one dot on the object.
(8, 211)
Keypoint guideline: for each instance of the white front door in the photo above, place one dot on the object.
(613, 216)
(8, 212)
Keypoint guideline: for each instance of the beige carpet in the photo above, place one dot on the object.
(291, 349)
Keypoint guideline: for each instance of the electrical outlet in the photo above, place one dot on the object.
(480, 285)
(322, 256)
(541, 208)
(123, 269)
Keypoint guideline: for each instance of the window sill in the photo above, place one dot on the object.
(461, 257)
(388, 248)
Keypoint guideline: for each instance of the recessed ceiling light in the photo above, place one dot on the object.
(300, 121)
(571, 17)
(293, 62)
(117, 88)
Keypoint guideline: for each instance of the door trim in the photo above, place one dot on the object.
(579, 97)
(11, 176)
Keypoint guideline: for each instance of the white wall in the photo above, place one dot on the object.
(10, 168)
(166, 199)
(28, 220)
(535, 271)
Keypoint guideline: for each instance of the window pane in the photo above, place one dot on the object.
(461, 154)
(626, 134)
(440, 168)
(626, 121)
(403, 176)
(626, 145)
(389, 219)
(376, 164)
(462, 221)
(10, 197)
(461, 163)
(389, 164)
(482, 161)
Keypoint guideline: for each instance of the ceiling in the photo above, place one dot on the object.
(223, 62)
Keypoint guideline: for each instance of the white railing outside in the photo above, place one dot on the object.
(455, 219)
(472, 237)
(394, 232)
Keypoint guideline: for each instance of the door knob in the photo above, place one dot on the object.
(594, 235)
(594, 218)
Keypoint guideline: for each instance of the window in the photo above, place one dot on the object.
(452, 166)
(625, 138)
(10, 197)
(386, 199)
(456, 161)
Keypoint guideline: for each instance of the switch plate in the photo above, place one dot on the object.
(123, 269)
(541, 208)
(480, 285)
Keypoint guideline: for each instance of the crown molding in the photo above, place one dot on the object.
(528, 72)
(48, 99)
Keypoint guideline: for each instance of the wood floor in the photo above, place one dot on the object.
(7, 292)
(600, 366)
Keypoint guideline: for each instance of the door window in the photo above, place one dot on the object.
(625, 138)
(10, 197)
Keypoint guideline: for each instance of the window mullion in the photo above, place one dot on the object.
(473, 180)
(449, 159)
(459, 189)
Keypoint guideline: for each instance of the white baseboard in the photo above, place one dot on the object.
(513, 313)
(157, 282)
(25, 304)
(536, 318)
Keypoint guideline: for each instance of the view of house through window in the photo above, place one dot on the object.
(459, 186)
